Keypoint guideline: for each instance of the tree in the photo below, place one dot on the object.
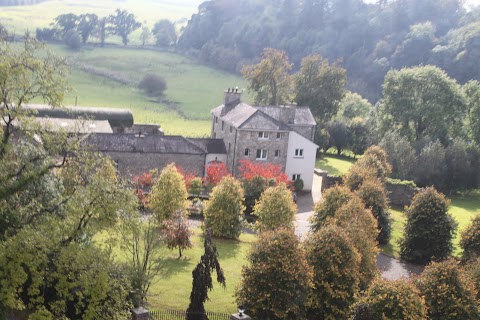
(320, 86)
(202, 279)
(196, 187)
(333, 199)
(359, 134)
(168, 194)
(122, 24)
(145, 35)
(65, 23)
(448, 293)
(269, 80)
(470, 239)
(102, 30)
(472, 91)
(143, 243)
(336, 272)
(216, 171)
(431, 166)
(153, 84)
(165, 33)
(87, 23)
(353, 106)
(276, 282)
(400, 154)
(224, 210)
(3, 33)
(373, 194)
(73, 40)
(375, 159)
(422, 101)
(339, 135)
(429, 230)
(398, 299)
(177, 233)
(275, 209)
(357, 175)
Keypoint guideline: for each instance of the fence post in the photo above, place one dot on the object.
(237, 316)
(140, 313)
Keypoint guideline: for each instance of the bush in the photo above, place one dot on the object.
(223, 212)
(275, 209)
(449, 295)
(375, 159)
(169, 194)
(298, 185)
(429, 229)
(373, 194)
(153, 84)
(336, 272)
(391, 300)
(470, 239)
(45, 34)
(431, 167)
(73, 40)
(253, 190)
(357, 175)
(333, 199)
(472, 269)
(400, 154)
(277, 280)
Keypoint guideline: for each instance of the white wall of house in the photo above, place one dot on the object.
(301, 159)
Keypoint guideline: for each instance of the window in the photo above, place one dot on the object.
(231, 129)
(223, 123)
(262, 154)
(247, 152)
(298, 152)
(296, 177)
(277, 153)
(263, 135)
(216, 120)
(279, 135)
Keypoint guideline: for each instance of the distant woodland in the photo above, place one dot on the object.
(369, 39)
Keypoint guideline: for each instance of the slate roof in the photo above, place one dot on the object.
(242, 112)
(210, 145)
(121, 142)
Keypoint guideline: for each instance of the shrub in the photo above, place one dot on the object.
(448, 294)
(356, 176)
(177, 233)
(275, 209)
(472, 271)
(277, 280)
(375, 159)
(153, 84)
(223, 212)
(45, 34)
(333, 199)
(470, 239)
(336, 272)
(431, 166)
(391, 300)
(168, 194)
(253, 190)
(73, 40)
(373, 194)
(196, 186)
(429, 229)
(298, 185)
(215, 173)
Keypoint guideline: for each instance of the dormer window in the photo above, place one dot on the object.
(263, 135)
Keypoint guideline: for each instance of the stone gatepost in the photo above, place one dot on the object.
(237, 316)
(140, 313)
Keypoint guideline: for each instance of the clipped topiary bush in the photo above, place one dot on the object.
(333, 199)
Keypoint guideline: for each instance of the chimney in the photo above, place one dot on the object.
(232, 99)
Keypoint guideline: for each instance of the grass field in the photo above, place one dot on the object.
(333, 164)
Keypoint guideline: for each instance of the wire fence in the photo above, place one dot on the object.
(182, 315)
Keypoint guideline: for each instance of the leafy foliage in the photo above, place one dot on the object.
(168, 194)
(276, 282)
(333, 199)
(448, 293)
(153, 84)
(165, 33)
(470, 239)
(336, 273)
(275, 209)
(177, 233)
(215, 173)
(429, 229)
(223, 212)
(392, 300)
(122, 24)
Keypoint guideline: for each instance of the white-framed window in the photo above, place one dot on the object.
(298, 153)
(247, 152)
(277, 153)
(279, 135)
(262, 154)
(262, 135)
(296, 177)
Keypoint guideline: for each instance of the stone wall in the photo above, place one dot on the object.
(399, 195)
(132, 163)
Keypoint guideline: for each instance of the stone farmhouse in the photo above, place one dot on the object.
(275, 134)
(281, 135)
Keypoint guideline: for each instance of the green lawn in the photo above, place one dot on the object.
(172, 290)
(463, 208)
(333, 164)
